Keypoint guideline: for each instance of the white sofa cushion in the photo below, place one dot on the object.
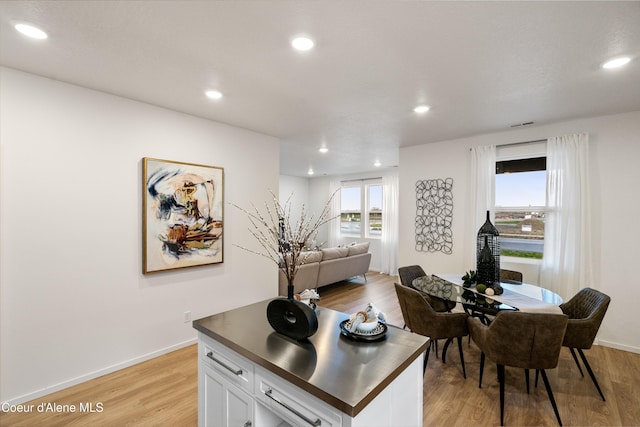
(311, 256)
(333, 253)
(358, 248)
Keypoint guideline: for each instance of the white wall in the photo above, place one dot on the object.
(296, 190)
(74, 303)
(615, 153)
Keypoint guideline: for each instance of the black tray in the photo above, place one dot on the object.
(377, 334)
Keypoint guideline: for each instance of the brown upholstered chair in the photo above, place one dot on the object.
(409, 273)
(522, 340)
(510, 275)
(424, 320)
(585, 310)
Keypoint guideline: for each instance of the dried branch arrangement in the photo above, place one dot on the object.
(282, 241)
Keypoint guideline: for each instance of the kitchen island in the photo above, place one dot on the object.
(249, 375)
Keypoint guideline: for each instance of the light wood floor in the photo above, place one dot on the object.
(163, 391)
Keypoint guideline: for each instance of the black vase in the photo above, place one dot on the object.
(488, 236)
(292, 318)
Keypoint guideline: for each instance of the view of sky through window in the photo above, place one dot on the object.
(375, 197)
(521, 189)
(350, 198)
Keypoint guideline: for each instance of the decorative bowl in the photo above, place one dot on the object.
(367, 326)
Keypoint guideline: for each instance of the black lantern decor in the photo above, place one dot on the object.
(488, 254)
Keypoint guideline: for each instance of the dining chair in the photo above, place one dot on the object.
(422, 319)
(521, 340)
(510, 275)
(585, 310)
(409, 273)
(405, 313)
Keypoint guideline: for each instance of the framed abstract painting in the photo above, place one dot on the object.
(182, 215)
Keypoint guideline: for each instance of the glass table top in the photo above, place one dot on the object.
(516, 296)
(445, 290)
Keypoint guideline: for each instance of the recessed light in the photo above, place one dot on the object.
(420, 109)
(616, 62)
(377, 163)
(302, 43)
(31, 31)
(323, 150)
(310, 171)
(213, 94)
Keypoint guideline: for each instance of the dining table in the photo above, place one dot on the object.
(516, 296)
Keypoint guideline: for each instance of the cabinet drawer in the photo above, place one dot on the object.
(229, 364)
(293, 404)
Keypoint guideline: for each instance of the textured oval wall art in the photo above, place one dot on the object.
(434, 215)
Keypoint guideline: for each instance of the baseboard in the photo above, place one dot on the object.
(95, 374)
(618, 346)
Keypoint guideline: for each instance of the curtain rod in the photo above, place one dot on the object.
(518, 143)
(362, 179)
(521, 143)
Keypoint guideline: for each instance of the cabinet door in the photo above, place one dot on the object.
(223, 404)
(211, 399)
(239, 408)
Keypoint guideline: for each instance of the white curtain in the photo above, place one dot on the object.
(334, 226)
(390, 224)
(566, 263)
(482, 180)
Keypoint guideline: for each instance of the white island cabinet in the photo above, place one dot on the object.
(248, 375)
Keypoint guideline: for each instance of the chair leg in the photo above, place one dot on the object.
(426, 359)
(464, 371)
(526, 378)
(365, 277)
(481, 369)
(550, 393)
(575, 358)
(501, 379)
(444, 349)
(593, 377)
(434, 345)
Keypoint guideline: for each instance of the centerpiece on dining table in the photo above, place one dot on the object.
(487, 274)
(284, 242)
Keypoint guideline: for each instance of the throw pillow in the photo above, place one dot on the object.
(333, 253)
(311, 256)
(359, 248)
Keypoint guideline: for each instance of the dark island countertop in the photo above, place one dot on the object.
(344, 373)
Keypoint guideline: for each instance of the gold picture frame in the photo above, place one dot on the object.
(182, 215)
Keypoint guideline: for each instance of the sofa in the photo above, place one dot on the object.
(327, 266)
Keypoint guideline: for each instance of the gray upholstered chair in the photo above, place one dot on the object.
(585, 310)
(424, 320)
(409, 273)
(521, 340)
(510, 275)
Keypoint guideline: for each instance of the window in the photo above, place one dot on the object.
(520, 206)
(350, 210)
(361, 209)
(374, 210)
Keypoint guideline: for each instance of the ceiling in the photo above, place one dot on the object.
(481, 66)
